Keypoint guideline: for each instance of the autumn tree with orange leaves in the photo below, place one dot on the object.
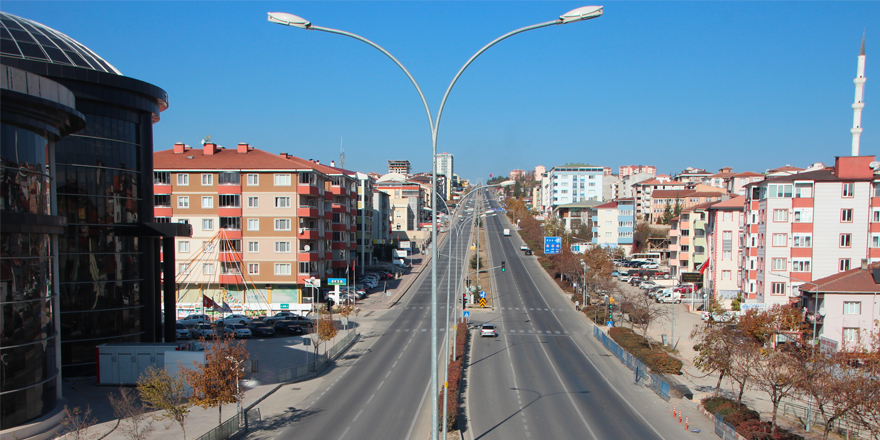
(216, 382)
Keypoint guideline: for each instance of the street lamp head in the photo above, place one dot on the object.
(580, 14)
(289, 20)
(507, 183)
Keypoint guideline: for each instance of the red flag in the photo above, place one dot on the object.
(490, 175)
(208, 302)
(704, 266)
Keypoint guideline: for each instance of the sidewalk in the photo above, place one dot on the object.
(275, 400)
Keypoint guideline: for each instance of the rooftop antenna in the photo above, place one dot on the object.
(341, 154)
(206, 140)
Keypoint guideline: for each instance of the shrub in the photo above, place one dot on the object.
(711, 404)
(757, 430)
(737, 418)
(663, 363)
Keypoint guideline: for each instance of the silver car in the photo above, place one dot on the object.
(203, 331)
(237, 330)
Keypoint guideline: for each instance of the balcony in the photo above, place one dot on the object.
(309, 256)
(328, 214)
(229, 256)
(340, 209)
(309, 234)
(352, 228)
(339, 245)
(307, 211)
(814, 318)
(231, 279)
(338, 191)
(308, 190)
(340, 264)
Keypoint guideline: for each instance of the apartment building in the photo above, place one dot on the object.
(687, 239)
(737, 182)
(614, 223)
(516, 174)
(569, 184)
(365, 220)
(692, 175)
(262, 223)
(407, 199)
(681, 199)
(400, 167)
(573, 215)
(726, 219)
(623, 188)
(628, 170)
(809, 225)
(642, 193)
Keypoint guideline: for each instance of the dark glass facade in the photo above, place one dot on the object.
(74, 271)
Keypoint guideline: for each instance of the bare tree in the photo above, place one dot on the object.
(135, 423)
(78, 423)
(167, 393)
(772, 374)
(216, 382)
(713, 345)
(743, 354)
(643, 311)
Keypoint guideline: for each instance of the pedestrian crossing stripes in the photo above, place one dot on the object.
(512, 331)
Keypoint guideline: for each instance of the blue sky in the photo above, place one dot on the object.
(752, 85)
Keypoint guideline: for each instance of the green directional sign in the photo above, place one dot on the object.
(285, 306)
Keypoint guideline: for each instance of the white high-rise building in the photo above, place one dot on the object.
(570, 184)
(444, 168)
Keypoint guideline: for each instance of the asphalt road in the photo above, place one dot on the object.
(545, 376)
(385, 394)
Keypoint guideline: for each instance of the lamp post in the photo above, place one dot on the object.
(580, 14)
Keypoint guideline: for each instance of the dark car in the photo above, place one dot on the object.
(288, 327)
(260, 328)
(528, 252)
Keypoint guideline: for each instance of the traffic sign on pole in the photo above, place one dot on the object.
(552, 245)
(336, 281)
(482, 294)
(467, 313)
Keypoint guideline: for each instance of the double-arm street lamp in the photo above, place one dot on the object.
(579, 14)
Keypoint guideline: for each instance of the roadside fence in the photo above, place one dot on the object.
(660, 386)
(233, 425)
(723, 429)
(299, 371)
(845, 426)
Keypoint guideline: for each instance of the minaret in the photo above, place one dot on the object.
(859, 104)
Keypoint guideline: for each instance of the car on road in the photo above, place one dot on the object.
(488, 330)
(203, 331)
(524, 247)
(528, 252)
(260, 328)
(237, 330)
(194, 319)
(182, 331)
(235, 319)
(288, 327)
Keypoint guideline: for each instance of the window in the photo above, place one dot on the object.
(207, 180)
(253, 246)
(183, 247)
(728, 216)
(208, 224)
(183, 179)
(282, 224)
(253, 202)
(162, 219)
(847, 189)
(253, 179)
(775, 191)
(780, 240)
(780, 215)
(875, 241)
(282, 180)
(305, 178)
(162, 200)
(282, 268)
(253, 224)
(229, 200)
(802, 240)
(777, 288)
(875, 187)
(846, 215)
(607, 235)
(282, 202)
(208, 268)
(229, 178)
(282, 247)
(725, 274)
(209, 246)
(304, 267)
(843, 265)
(852, 307)
(253, 268)
(875, 215)
(208, 202)
(803, 190)
(846, 240)
(183, 202)
(778, 263)
(233, 223)
(183, 268)
(800, 265)
(850, 334)
(725, 255)
(685, 248)
(161, 177)
(803, 215)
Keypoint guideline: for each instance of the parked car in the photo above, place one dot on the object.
(528, 252)
(281, 316)
(288, 327)
(237, 330)
(194, 319)
(723, 317)
(235, 319)
(203, 331)
(488, 330)
(669, 297)
(260, 328)
(685, 288)
(524, 247)
(182, 331)
(647, 285)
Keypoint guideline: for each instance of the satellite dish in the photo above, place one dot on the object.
(307, 248)
(206, 139)
(874, 165)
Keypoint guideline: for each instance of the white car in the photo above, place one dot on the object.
(237, 330)
(203, 331)
(524, 248)
(194, 319)
(488, 330)
(236, 319)
(182, 331)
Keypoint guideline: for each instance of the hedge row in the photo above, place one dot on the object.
(747, 422)
(654, 357)
(455, 370)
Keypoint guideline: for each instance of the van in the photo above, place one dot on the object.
(506, 232)
(669, 296)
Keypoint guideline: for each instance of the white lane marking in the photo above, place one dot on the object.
(371, 398)
(380, 384)
(344, 432)
(358, 415)
(394, 364)
(424, 330)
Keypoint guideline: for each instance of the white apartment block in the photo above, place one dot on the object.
(810, 225)
(569, 184)
(725, 222)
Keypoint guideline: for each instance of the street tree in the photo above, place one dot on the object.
(216, 382)
(643, 311)
(714, 351)
(166, 392)
(325, 330)
(135, 423)
(772, 374)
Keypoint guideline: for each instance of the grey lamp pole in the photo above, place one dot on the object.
(579, 14)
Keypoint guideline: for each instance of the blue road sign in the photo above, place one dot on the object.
(482, 294)
(467, 314)
(552, 245)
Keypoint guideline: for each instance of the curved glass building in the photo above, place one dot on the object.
(77, 183)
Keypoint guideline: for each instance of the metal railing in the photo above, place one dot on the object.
(299, 371)
(660, 386)
(844, 426)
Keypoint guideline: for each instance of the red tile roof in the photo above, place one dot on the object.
(851, 281)
(608, 205)
(224, 159)
(736, 203)
(672, 193)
